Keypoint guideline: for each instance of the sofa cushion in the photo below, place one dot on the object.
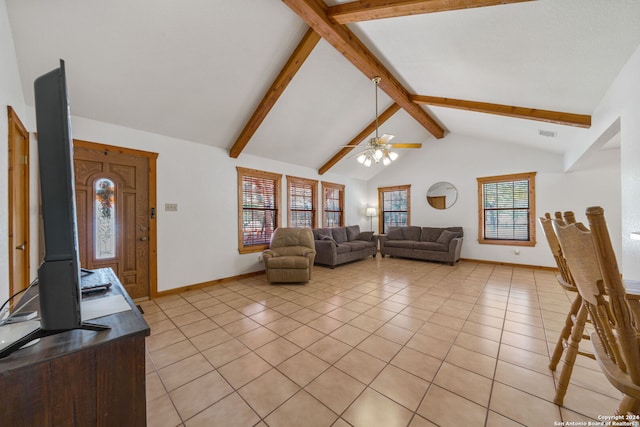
(446, 237)
(352, 232)
(342, 248)
(365, 236)
(394, 233)
(339, 234)
(355, 245)
(406, 244)
(411, 233)
(430, 234)
(288, 262)
(431, 246)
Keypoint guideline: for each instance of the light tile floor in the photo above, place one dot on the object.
(378, 342)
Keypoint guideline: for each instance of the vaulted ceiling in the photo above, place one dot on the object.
(291, 79)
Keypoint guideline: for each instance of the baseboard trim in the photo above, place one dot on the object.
(205, 284)
(510, 264)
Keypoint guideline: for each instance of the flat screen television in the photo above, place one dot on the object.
(59, 275)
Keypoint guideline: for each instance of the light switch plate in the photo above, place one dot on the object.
(171, 207)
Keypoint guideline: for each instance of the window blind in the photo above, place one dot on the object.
(395, 209)
(506, 210)
(332, 207)
(301, 203)
(259, 209)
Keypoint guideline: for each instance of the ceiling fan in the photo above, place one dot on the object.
(378, 148)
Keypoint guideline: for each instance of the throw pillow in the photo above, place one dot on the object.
(367, 236)
(446, 237)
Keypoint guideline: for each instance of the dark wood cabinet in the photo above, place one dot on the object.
(78, 377)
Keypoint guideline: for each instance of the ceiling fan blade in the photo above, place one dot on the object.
(385, 138)
(406, 145)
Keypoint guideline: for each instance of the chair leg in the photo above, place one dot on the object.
(566, 332)
(570, 357)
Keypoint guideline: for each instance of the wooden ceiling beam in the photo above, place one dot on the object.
(366, 10)
(314, 13)
(386, 114)
(300, 54)
(566, 119)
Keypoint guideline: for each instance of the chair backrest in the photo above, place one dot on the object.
(626, 333)
(292, 236)
(590, 258)
(554, 245)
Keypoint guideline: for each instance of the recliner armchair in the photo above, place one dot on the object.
(290, 256)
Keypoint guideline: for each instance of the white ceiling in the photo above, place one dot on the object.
(197, 69)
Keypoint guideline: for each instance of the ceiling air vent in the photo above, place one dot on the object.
(547, 133)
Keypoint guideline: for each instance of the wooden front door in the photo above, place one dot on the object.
(18, 204)
(114, 213)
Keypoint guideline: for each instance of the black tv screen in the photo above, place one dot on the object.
(59, 274)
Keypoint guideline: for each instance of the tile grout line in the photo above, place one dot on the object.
(408, 280)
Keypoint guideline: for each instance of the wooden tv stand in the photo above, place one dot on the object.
(79, 377)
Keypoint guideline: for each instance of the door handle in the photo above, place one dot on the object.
(21, 247)
(144, 239)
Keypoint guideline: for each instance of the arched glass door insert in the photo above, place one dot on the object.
(105, 217)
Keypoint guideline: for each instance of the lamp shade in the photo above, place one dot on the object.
(371, 212)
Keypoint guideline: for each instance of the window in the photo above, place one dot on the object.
(302, 197)
(395, 205)
(506, 206)
(258, 216)
(332, 205)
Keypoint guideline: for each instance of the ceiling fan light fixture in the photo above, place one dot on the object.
(378, 148)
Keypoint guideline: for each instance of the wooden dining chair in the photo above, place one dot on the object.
(619, 359)
(592, 262)
(575, 318)
(566, 281)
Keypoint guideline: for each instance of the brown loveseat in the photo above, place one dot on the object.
(426, 243)
(338, 245)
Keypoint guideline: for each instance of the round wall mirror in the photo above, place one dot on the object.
(442, 195)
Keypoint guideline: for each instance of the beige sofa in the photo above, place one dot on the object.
(427, 243)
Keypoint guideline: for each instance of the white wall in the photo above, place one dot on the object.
(10, 94)
(622, 102)
(461, 159)
(627, 89)
(198, 243)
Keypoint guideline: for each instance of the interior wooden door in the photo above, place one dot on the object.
(112, 198)
(18, 204)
